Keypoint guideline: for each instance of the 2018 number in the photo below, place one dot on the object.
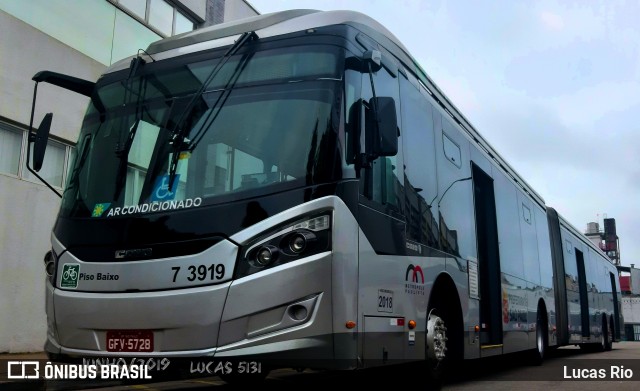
(385, 300)
(201, 272)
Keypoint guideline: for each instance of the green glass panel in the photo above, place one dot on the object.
(129, 36)
(183, 24)
(137, 7)
(161, 16)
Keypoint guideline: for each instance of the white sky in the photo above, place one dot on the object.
(554, 86)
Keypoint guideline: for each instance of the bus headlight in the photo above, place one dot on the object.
(299, 241)
(285, 243)
(50, 265)
(266, 255)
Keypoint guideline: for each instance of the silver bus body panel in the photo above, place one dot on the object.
(154, 274)
(392, 275)
(521, 247)
(56, 246)
(328, 203)
(457, 269)
(247, 316)
(181, 320)
(52, 333)
(599, 289)
(383, 337)
(260, 305)
(257, 322)
(516, 309)
(524, 251)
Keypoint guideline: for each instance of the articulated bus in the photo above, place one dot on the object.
(294, 187)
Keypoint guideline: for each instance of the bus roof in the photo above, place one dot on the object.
(284, 22)
(288, 21)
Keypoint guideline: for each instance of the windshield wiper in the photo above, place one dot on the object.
(80, 160)
(123, 155)
(122, 152)
(179, 135)
(215, 109)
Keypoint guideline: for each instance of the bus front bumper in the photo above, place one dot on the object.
(283, 313)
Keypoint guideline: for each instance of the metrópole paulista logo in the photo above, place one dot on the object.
(414, 280)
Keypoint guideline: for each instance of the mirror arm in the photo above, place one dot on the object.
(31, 170)
(368, 158)
(80, 86)
(33, 109)
(373, 92)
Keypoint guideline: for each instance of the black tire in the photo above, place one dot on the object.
(536, 356)
(612, 335)
(607, 343)
(435, 369)
(451, 335)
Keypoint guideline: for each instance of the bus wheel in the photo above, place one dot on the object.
(611, 329)
(436, 348)
(537, 356)
(606, 336)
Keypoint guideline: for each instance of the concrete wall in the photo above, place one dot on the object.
(27, 214)
(631, 309)
(635, 281)
(238, 10)
(24, 51)
(197, 8)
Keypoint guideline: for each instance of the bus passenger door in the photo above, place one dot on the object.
(488, 259)
(584, 296)
(616, 308)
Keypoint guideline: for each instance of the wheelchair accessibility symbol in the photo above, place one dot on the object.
(161, 189)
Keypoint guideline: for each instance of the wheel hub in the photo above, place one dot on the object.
(436, 338)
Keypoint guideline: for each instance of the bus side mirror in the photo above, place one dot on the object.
(40, 141)
(384, 131)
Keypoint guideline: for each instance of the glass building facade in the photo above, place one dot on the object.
(106, 31)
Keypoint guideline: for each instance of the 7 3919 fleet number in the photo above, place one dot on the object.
(213, 272)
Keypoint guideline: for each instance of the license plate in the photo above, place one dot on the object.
(129, 341)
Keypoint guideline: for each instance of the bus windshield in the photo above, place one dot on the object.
(263, 124)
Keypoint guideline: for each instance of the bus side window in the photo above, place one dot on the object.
(420, 186)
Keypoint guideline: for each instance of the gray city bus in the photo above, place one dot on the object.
(293, 188)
